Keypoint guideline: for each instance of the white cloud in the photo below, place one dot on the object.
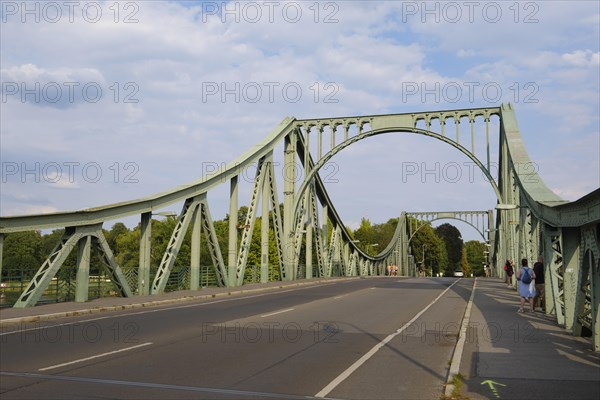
(583, 58)
(155, 111)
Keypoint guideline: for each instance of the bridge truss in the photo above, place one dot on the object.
(530, 219)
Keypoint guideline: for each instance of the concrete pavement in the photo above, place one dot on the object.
(511, 355)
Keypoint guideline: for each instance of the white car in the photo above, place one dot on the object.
(459, 274)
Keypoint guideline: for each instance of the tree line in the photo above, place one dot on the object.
(440, 250)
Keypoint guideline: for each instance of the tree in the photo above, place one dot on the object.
(475, 256)
(117, 230)
(22, 254)
(454, 244)
(428, 248)
(464, 263)
(370, 234)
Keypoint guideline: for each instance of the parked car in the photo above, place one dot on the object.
(459, 273)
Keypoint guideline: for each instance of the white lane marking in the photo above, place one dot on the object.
(161, 309)
(340, 378)
(93, 357)
(238, 394)
(460, 345)
(277, 312)
(339, 297)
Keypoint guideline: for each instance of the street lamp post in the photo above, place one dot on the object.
(423, 260)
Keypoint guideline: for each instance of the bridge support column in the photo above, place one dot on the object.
(195, 256)
(572, 272)
(289, 190)
(145, 253)
(309, 251)
(83, 269)
(264, 233)
(233, 233)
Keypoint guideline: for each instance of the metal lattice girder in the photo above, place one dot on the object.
(264, 231)
(49, 268)
(248, 227)
(333, 250)
(277, 221)
(317, 233)
(556, 273)
(583, 307)
(591, 262)
(308, 274)
(572, 274)
(111, 267)
(346, 259)
(213, 243)
(299, 233)
(481, 223)
(71, 237)
(290, 197)
(170, 254)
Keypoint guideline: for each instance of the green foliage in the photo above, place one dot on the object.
(428, 248)
(380, 234)
(475, 256)
(454, 244)
(23, 253)
(464, 263)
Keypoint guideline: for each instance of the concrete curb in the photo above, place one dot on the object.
(460, 345)
(155, 303)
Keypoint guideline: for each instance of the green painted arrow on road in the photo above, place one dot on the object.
(491, 384)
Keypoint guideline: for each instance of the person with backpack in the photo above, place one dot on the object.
(526, 279)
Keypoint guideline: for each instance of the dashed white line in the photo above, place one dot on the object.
(129, 314)
(93, 357)
(277, 312)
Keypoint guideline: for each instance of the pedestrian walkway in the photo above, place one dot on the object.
(511, 355)
(105, 304)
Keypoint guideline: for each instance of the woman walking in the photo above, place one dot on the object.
(526, 279)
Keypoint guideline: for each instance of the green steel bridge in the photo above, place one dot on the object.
(529, 219)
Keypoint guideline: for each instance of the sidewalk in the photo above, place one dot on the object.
(509, 355)
(69, 309)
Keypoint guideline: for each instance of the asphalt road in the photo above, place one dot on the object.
(375, 338)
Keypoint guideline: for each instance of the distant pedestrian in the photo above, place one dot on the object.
(486, 270)
(539, 300)
(509, 268)
(526, 279)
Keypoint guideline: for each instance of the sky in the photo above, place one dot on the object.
(105, 102)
